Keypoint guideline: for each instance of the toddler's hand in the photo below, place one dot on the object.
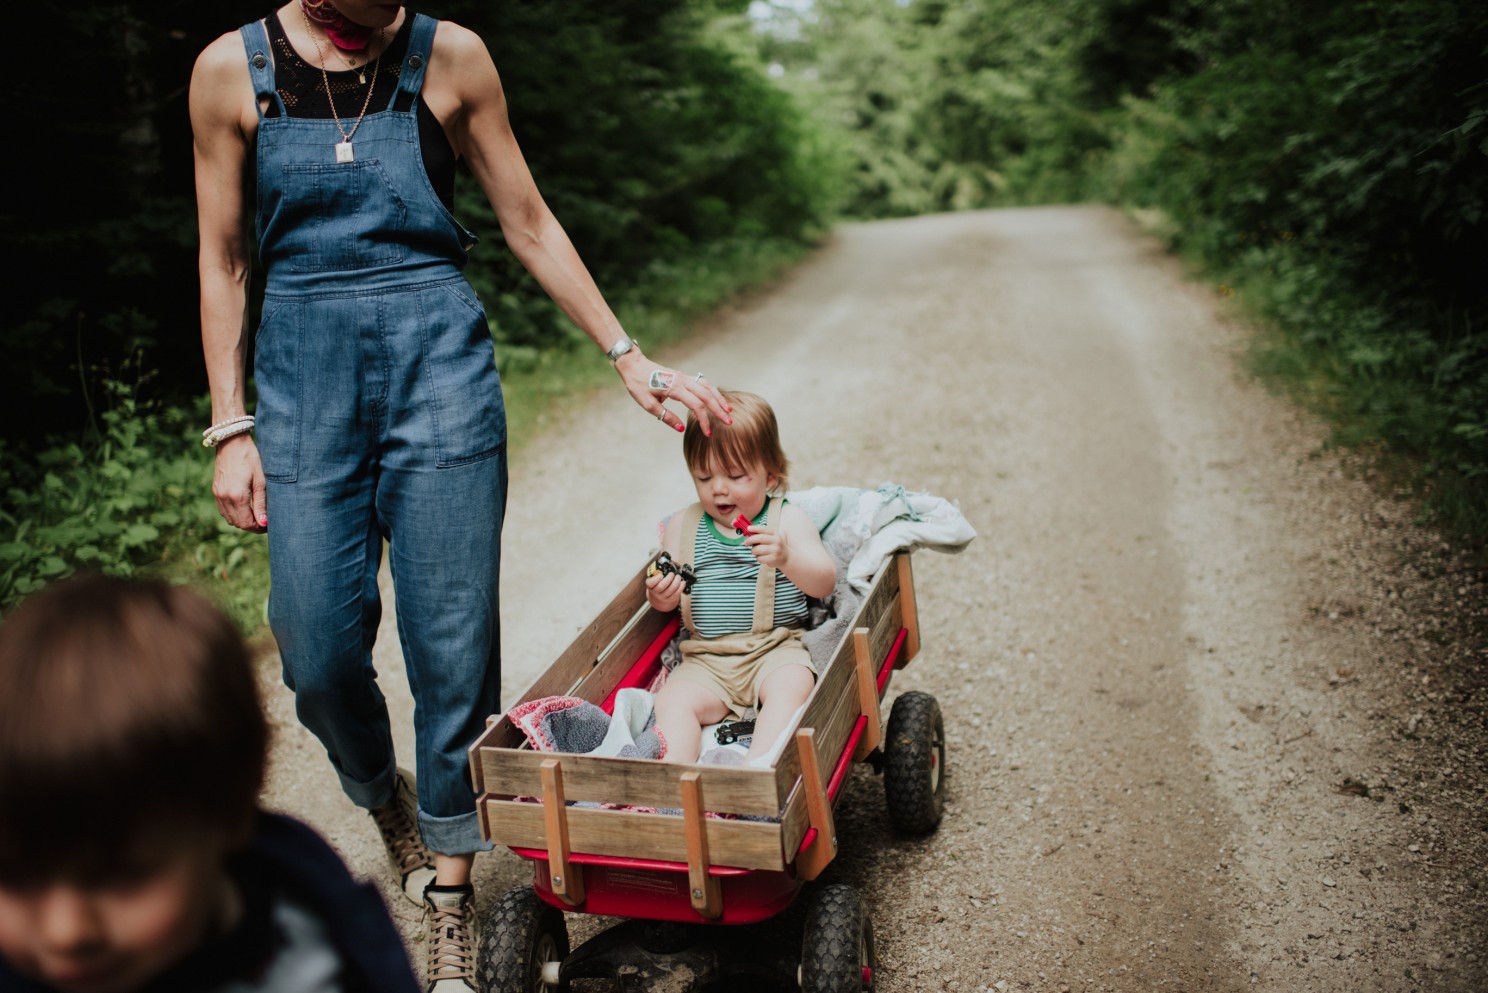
(664, 592)
(769, 547)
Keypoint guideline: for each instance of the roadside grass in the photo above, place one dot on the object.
(543, 388)
(1396, 390)
(135, 497)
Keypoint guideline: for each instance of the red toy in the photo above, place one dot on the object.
(743, 525)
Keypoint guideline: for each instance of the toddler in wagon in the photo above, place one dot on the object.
(746, 604)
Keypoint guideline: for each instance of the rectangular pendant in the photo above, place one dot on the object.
(343, 151)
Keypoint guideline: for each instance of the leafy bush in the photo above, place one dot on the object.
(136, 499)
(1339, 174)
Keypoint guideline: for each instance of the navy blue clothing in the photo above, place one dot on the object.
(287, 859)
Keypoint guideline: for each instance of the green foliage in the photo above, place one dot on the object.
(1338, 174)
(650, 139)
(665, 143)
(1329, 160)
(544, 386)
(137, 498)
(939, 106)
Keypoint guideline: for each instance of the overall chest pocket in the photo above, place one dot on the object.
(344, 215)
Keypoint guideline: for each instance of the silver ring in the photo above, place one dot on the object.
(698, 378)
(661, 416)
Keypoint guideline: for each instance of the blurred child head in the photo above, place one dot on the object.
(132, 752)
(752, 439)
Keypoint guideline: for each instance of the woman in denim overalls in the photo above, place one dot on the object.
(379, 413)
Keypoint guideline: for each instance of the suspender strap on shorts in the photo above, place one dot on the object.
(764, 590)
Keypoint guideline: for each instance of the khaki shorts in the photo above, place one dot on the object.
(735, 667)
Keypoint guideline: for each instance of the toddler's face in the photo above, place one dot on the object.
(728, 491)
(115, 936)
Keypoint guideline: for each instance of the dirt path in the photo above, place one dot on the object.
(1215, 708)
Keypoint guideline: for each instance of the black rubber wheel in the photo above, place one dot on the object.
(837, 954)
(914, 763)
(518, 934)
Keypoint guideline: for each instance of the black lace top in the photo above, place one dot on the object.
(303, 91)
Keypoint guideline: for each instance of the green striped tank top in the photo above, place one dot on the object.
(727, 574)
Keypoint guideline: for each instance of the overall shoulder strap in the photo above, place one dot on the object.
(691, 518)
(260, 66)
(416, 59)
(764, 589)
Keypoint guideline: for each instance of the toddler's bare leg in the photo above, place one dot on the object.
(682, 708)
(781, 694)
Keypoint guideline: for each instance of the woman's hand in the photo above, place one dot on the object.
(238, 485)
(664, 592)
(651, 385)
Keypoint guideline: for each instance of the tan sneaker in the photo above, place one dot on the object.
(451, 944)
(398, 822)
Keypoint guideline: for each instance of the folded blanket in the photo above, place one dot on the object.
(578, 727)
(861, 529)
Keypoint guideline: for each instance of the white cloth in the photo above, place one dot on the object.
(863, 528)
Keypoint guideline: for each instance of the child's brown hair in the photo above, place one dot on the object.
(753, 437)
(130, 721)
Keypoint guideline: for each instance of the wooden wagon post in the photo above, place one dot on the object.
(867, 679)
(908, 610)
(707, 894)
(823, 850)
(567, 881)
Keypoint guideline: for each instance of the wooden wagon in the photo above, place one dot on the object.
(726, 845)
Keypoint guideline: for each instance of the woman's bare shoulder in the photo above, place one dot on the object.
(223, 56)
(455, 42)
(220, 88)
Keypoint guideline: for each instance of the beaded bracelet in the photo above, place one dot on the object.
(223, 430)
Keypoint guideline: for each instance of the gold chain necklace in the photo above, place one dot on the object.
(343, 147)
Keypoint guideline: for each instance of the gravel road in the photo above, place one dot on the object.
(1215, 703)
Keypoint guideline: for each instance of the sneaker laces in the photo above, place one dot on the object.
(451, 952)
(400, 836)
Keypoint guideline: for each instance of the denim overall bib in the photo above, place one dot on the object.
(380, 417)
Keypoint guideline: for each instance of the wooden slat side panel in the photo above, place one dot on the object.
(883, 633)
(837, 680)
(598, 682)
(579, 658)
(832, 734)
(814, 779)
(636, 782)
(625, 834)
(831, 737)
(830, 686)
(794, 822)
(884, 589)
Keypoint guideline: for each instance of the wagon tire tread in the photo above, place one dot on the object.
(513, 932)
(837, 942)
(914, 763)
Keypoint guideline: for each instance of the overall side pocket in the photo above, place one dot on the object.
(469, 412)
(277, 376)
